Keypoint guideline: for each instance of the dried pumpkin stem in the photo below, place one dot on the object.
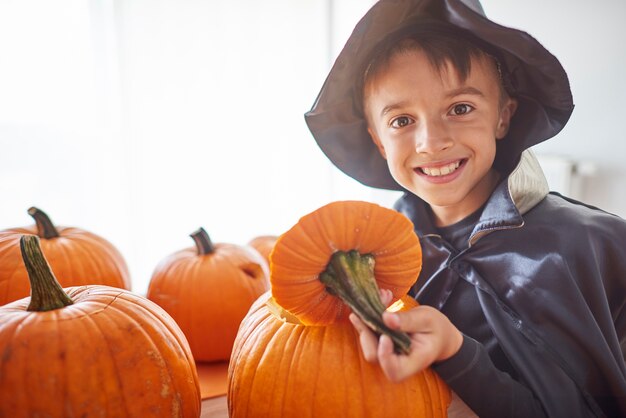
(350, 276)
(45, 227)
(203, 241)
(46, 293)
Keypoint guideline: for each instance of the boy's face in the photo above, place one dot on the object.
(438, 133)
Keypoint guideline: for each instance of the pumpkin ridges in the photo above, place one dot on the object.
(302, 367)
(303, 393)
(323, 355)
(19, 398)
(118, 269)
(310, 248)
(170, 325)
(162, 353)
(13, 277)
(153, 354)
(247, 364)
(10, 260)
(70, 326)
(217, 277)
(91, 387)
(104, 270)
(108, 386)
(265, 381)
(82, 313)
(302, 253)
(111, 337)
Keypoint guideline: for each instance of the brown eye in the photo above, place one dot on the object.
(400, 122)
(461, 109)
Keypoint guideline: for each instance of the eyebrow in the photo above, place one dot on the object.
(391, 107)
(465, 90)
(452, 93)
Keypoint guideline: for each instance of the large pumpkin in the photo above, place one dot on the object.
(208, 290)
(296, 355)
(91, 351)
(77, 257)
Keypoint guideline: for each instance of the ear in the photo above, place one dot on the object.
(506, 114)
(376, 140)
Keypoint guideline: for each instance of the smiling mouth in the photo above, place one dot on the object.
(443, 170)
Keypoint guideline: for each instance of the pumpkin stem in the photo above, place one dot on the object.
(203, 241)
(45, 227)
(46, 293)
(350, 276)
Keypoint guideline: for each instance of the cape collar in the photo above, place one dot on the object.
(524, 187)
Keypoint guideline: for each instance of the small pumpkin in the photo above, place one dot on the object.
(296, 355)
(264, 245)
(78, 257)
(91, 351)
(208, 289)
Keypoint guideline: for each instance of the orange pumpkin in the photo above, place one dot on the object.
(78, 257)
(296, 355)
(280, 368)
(208, 290)
(378, 237)
(264, 245)
(91, 351)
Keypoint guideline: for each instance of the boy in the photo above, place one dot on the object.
(522, 292)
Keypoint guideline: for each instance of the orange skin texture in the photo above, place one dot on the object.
(282, 369)
(297, 355)
(77, 257)
(112, 353)
(208, 295)
(303, 252)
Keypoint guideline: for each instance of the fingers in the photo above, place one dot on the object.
(398, 367)
(390, 362)
(419, 319)
(392, 320)
(367, 339)
(433, 338)
(386, 296)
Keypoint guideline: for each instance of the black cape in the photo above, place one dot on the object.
(551, 282)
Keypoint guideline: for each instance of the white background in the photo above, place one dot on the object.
(142, 120)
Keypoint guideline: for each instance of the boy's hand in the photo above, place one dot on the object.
(433, 338)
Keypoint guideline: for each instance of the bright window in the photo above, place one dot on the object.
(143, 120)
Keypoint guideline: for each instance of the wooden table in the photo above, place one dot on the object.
(217, 408)
(214, 408)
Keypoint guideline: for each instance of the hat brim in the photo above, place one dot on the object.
(538, 81)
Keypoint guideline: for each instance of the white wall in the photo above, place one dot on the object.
(587, 37)
(141, 120)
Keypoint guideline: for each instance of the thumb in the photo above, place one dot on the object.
(411, 321)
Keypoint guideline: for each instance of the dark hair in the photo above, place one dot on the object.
(441, 43)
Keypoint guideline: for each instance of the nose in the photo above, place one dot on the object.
(432, 136)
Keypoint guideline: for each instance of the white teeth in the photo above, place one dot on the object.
(441, 171)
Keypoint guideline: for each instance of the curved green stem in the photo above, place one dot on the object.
(203, 241)
(46, 293)
(45, 227)
(350, 276)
